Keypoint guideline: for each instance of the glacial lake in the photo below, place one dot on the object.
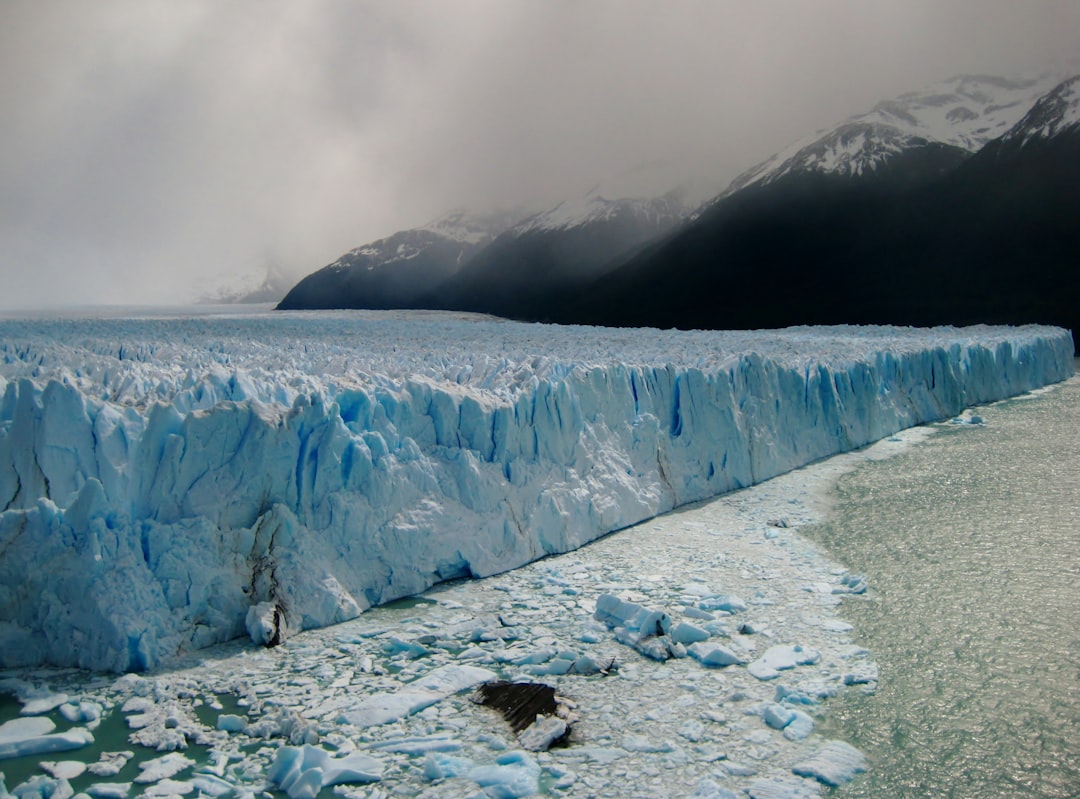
(970, 542)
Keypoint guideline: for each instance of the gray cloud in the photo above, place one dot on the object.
(149, 147)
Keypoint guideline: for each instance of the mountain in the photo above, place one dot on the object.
(270, 286)
(393, 272)
(927, 236)
(536, 264)
(964, 112)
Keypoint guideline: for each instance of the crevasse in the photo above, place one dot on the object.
(149, 503)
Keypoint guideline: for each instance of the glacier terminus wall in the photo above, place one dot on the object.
(169, 482)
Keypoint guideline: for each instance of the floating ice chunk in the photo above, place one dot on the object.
(697, 589)
(39, 787)
(836, 763)
(777, 716)
(109, 790)
(211, 785)
(713, 655)
(231, 723)
(794, 696)
(739, 769)
(800, 726)
(615, 612)
(438, 766)
(709, 789)
(687, 634)
(305, 770)
(64, 769)
(851, 584)
(110, 764)
(781, 658)
(33, 735)
(411, 649)
(82, 712)
(836, 626)
(762, 670)
(161, 768)
(418, 746)
(698, 613)
(429, 689)
(542, 733)
(692, 730)
(514, 775)
(724, 602)
(643, 743)
(18, 729)
(41, 702)
(862, 674)
(783, 787)
(170, 788)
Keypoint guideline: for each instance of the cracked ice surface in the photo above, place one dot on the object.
(168, 482)
(645, 728)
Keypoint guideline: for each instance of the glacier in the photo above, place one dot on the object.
(169, 481)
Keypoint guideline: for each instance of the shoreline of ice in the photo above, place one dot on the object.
(167, 482)
(646, 728)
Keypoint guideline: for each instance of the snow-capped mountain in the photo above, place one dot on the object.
(536, 264)
(924, 237)
(391, 272)
(964, 112)
(1054, 114)
(498, 264)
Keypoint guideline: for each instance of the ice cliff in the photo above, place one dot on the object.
(168, 483)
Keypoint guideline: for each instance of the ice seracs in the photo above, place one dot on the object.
(167, 484)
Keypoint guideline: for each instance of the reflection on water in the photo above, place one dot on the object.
(971, 543)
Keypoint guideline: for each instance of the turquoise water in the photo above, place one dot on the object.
(971, 543)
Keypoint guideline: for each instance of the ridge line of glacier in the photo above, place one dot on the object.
(156, 495)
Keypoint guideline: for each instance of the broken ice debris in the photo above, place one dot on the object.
(713, 655)
(305, 770)
(33, 735)
(835, 763)
(429, 689)
(781, 658)
(513, 776)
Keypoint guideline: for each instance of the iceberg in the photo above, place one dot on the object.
(167, 483)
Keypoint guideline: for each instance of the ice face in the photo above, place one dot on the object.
(277, 473)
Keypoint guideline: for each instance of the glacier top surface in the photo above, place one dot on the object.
(273, 356)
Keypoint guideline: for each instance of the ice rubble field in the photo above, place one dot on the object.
(168, 483)
(375, 700)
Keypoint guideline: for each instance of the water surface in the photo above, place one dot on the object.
(971, 542)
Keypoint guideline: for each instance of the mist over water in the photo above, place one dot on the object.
(971, 544)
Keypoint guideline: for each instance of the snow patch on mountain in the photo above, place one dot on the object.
(965, 111)
(469, 229)
(1054, 114)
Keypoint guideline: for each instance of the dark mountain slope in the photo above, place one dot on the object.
(994, 238)
(393, 272)
(532, 268)
(766, 256)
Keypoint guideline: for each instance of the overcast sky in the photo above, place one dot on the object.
(149, 147)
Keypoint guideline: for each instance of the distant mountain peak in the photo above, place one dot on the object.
(964, 111)
(1054, 113)
(470, 227)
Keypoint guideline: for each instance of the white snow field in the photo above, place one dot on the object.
(170, 482)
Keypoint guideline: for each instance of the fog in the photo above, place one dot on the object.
(154, 151)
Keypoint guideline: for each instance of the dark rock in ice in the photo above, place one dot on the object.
(524, 704)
